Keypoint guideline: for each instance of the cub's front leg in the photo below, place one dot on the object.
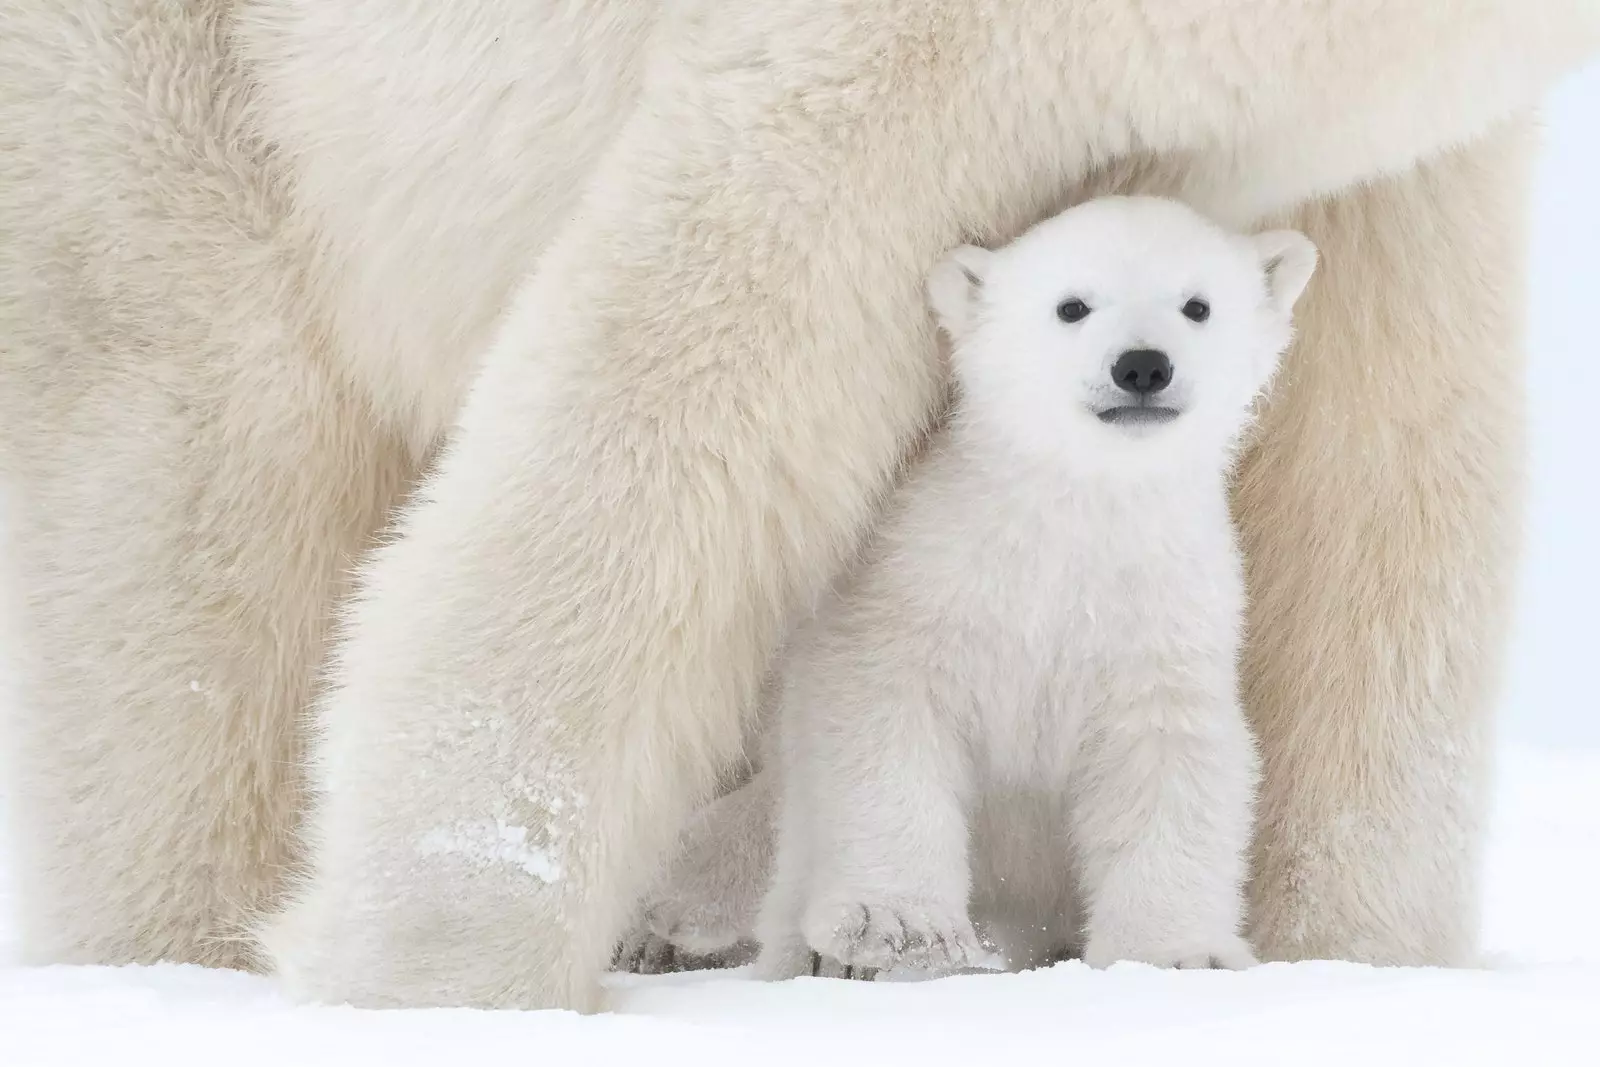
(1162, 809)
(872, 866)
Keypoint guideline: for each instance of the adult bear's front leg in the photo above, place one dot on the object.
(678, 436)
(1380, 515)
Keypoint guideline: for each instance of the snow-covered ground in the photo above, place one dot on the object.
(1536, 1001)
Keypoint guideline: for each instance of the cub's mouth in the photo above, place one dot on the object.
(1137, 415)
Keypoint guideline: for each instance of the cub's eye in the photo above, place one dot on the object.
(1197, 310)
(1072, 310)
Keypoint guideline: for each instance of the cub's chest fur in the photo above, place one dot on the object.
(1099, 590)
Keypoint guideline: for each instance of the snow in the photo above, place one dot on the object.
(489, 842)
(1536, 999)
(1539, 1002)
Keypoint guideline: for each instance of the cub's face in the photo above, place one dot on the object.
(1125, 330)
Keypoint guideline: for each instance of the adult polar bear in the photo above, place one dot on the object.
(252, 250)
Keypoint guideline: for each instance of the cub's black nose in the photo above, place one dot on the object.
(1142, 371)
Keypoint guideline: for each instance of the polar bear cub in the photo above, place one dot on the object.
(1020, 714)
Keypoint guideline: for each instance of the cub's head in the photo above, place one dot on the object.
(1122, 330)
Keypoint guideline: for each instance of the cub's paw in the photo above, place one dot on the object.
(1226, 953)
(880, 934)
(679, 933)
(644, 952)
(700, 926)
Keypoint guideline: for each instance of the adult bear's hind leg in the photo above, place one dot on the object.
(188, 482)
(1380, 522)
(176, 589)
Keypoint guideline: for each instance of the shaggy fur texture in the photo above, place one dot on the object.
(251, 251)
(1047, 624)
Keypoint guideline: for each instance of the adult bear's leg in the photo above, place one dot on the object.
(681, 431)
(1380, 522)
(187, 480)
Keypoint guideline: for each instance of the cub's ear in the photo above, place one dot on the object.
(1288, 259)
(954, 285)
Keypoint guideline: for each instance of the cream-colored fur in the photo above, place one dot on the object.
(191, 477)
(251, 251)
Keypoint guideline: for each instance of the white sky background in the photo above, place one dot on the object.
(1551, 695)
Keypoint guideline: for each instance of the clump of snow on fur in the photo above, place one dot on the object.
(491, 841)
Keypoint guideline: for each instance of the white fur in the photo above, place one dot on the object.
(708, 901)
(254, 253)
(1047, 625)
